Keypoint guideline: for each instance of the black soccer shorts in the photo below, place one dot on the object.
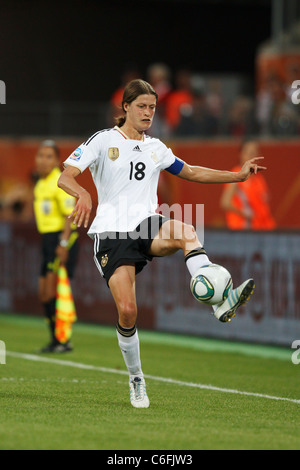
(114, 249)
(50, 242)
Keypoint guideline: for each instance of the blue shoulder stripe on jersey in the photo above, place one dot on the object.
(176, 167)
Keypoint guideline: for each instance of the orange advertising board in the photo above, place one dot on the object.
(282, 159)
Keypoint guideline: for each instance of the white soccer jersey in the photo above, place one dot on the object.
(125, 173)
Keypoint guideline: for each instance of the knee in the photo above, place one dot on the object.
(189, 234)
(183, 234)
(127, 314)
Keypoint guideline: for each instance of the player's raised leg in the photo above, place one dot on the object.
(226, 311)
(175, 235)
(122, 286)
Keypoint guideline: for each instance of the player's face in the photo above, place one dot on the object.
(46, 160)
(140, 113)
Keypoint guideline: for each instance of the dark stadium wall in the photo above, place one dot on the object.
(77, 50)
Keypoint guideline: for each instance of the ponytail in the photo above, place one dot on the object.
(120, 121)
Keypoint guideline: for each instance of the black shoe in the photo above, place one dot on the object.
(56, 347)
(62, 348)
(49, 348)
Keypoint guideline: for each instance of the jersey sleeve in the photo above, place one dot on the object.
(86, 154)
(176, 167)
(170, 162)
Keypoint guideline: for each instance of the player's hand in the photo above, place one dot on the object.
(251, 167)
(82, 210)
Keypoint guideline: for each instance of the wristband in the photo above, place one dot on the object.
(64, 243)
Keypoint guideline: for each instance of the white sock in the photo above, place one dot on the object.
(130, 348)
(196, 262)
(195, 259)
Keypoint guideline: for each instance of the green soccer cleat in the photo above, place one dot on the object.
(237, 297)
(138, 394)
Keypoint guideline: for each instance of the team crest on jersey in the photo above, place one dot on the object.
(154, 157)
(104, 260)
(76, 155)
(113, 153)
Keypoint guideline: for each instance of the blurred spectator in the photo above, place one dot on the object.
(131, 73)
(264, 103)
(215, 99)
(182, 95)
(196, 119)
(159, 76)
(282, 119)
(241, 118)
(246, 204)
(16, 201)
(292, 74)
(276, 115)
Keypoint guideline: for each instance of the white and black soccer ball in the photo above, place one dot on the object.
(211, 284)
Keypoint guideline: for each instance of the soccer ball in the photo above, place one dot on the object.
(211, 284)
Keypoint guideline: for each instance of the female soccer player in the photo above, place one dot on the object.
(125, 164)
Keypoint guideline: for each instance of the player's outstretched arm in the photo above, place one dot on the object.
(201, 174)
(82, 210)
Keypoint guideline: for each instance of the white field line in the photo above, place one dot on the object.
(78, 365)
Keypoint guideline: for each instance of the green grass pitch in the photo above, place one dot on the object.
(204, 394)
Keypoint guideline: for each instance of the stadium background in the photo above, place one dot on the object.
(61, 64)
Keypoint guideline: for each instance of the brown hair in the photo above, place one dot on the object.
(132, 90)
